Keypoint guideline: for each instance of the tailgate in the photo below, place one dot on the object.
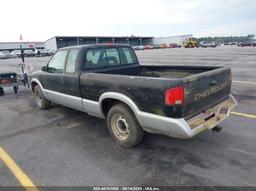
(204, 90)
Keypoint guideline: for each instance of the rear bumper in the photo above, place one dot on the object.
(181, 128)
(10, 84)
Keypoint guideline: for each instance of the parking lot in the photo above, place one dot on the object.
(64, 147)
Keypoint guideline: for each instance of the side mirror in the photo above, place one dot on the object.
(44, 68)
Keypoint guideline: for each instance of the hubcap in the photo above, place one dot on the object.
(120, 126)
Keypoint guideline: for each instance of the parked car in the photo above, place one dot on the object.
(29, 53)
(141, 47)
(204, 44)
(232, 43)
(147, 47)
(43, 52)
(16, 53)
(47, 52)
(174, 45)
(242, 44)
(164, 46)
(108, 82)
(3, 55)
(157, 46)
(7, 53)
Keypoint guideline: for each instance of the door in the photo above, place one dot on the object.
(52, 78)
(71, 76)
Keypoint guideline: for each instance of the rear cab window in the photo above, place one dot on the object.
(96, 58)
(128, 56)
(108, 57)
(112, 56)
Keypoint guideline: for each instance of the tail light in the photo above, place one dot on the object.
(175, 96)
(110, 45)
(5, 81)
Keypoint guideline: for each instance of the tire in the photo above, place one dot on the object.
(42, 102)
(123, 126)
(1, 91)
(15, 89)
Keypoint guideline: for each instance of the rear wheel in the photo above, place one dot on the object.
(42, 102)
(1, 91)
(15, 89)
(123, 126)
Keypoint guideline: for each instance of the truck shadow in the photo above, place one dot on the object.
(158, 156)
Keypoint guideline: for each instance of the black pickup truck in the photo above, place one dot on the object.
(107, 81)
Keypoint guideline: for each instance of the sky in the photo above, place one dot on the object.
(39, 20)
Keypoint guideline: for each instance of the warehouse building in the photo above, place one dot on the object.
(57, 42)
(10, 46)
(172, 39)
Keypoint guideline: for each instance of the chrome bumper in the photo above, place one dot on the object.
(181, 128)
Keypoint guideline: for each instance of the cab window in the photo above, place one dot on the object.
(113, 56)
(71, 61)
(96, 58)
(128, 56)
(57, 63)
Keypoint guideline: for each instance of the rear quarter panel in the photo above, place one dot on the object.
(147, 93)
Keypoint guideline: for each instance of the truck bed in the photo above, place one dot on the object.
(204, 86)
(163, 71)
(172, 71)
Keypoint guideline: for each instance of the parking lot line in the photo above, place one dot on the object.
(17, 172)
(244, 115)
(244, 82)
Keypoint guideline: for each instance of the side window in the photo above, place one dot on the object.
(56, 65)
(96, 58)
(71, 61)
(113, 56)
(128, 56)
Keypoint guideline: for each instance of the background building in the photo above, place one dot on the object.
(172, 39)
(57, 42)
(10, 46)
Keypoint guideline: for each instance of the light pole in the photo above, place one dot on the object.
(23, 66)
(21, 49)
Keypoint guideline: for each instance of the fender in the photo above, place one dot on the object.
(120, 97)
(37, 82)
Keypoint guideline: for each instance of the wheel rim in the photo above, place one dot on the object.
(38, 98)
(120, 127)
